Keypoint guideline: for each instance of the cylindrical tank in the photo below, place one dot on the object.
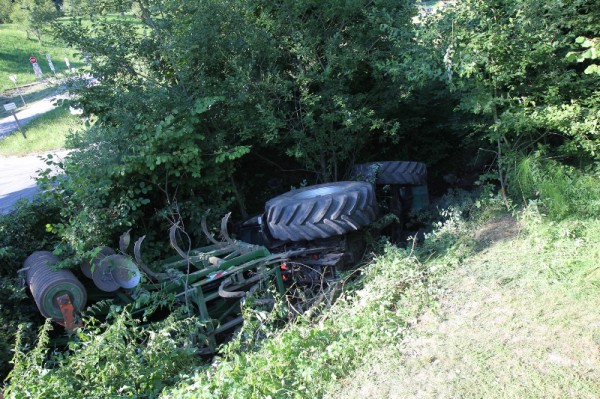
(47, 285)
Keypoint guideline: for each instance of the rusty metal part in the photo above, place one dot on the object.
(71, 320)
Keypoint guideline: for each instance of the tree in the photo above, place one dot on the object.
(191, 92)
(34, 16)
(506, 59)
(5, 11)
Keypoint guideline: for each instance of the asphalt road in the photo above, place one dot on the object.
(17, 174)
(17, 178)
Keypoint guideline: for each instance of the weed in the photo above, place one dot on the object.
(118, 358)
(560, 190)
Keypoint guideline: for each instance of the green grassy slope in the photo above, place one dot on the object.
(519, 319)
(15, 50)
(503, 309)
(45, 133)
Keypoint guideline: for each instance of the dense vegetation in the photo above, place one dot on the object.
(223, 104)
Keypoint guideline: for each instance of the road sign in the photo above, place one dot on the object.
(37, 70)
(11, 107)
(50, 64)
(32, 59)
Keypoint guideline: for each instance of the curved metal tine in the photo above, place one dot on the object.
(138, 258)
(124, 241)
(210, 237)
(173, 239)
(224, 234)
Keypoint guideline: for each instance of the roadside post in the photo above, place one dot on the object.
(36, 68)
(50, 64)
(11, 107)
(68, 65)
(14, 80)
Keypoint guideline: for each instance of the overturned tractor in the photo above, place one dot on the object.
(304, 238)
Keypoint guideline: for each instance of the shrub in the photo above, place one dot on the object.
(118, 358)
(560, 190)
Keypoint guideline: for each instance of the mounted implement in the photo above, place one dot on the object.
(299, 244)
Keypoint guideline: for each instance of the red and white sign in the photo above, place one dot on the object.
(32, 59)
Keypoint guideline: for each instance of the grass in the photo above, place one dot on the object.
(516, 320)
(45, 133)
(15, 50)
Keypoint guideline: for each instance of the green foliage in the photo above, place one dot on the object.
(560, 190)
(5, 11)
(17, 311)
(34, 16)
(506, 61)
(23, 231)
(591, 50)
(118, 358)
(184, 99)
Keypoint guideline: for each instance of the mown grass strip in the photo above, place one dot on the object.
(517, 320)
(45, 133)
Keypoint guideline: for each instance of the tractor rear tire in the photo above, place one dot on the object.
(392, 172)
(321, 211)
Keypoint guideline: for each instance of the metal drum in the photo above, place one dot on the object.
(87, 267)
(47, 285)
(114, 272)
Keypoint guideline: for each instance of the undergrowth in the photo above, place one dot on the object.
(302, 358)
(377, 307)
(374, 312)
(117, 358)
(560, 190)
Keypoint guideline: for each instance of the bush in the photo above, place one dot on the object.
(23, 231)
(118, 358)
(560, 190)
